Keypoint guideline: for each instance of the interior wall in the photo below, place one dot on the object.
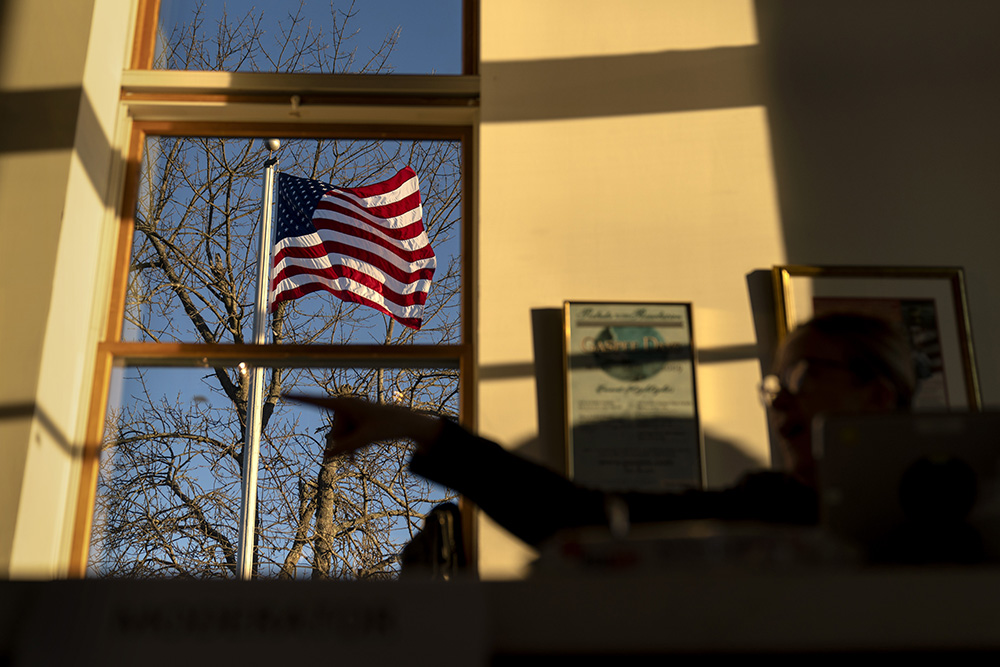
(625, 156)
(59, 94)
(886, 143)
(665, 149)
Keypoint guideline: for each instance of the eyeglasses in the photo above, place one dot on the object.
(794, 379)
(769, 388)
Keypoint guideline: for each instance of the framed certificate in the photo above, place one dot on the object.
(927, 302)
(631, 400)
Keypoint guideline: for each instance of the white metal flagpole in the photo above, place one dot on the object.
(255, 394)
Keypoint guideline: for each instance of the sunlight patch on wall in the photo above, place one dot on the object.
(582, 28)
(642, 185)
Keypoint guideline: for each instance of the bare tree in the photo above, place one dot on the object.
(169, 491)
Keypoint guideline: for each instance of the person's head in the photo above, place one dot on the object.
(835, 363)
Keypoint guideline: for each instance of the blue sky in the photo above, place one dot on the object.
(431, 30)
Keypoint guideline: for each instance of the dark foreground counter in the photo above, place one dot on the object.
(695, 613)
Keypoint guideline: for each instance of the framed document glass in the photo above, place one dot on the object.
(631, 400)
(928, 302)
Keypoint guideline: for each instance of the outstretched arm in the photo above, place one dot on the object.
(529, 500)
(358, 423)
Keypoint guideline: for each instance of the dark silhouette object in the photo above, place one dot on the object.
(937, 496)
(838, 363)
(437, 552)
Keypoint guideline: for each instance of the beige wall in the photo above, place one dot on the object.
(625, 155)
(59, 94)
(885, 140)
(662, 150)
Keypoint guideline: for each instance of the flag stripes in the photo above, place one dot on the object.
(364, 245)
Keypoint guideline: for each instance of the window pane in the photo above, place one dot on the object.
(193, 269)
(168, 500)
(369, 37)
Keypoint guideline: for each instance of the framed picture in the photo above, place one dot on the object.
(928, 302)
(631, 400)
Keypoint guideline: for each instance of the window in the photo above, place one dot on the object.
(360, 36)
(435, 37)
(168, 501)
(175, 361)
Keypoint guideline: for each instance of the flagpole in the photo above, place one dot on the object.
(255, 394)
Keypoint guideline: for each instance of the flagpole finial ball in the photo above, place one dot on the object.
(273, 144)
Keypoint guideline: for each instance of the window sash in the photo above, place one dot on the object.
(189, 103)
(148, 15)
(262, 105)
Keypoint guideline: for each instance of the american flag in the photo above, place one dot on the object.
(365, 245)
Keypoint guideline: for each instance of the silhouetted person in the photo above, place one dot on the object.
(837, 363)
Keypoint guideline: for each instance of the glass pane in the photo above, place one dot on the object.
(168, 501)
(366, 37)
(193, 269)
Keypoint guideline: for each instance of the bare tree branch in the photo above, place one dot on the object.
(170, 478)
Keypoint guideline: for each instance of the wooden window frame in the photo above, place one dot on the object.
(261, 105)
(148, 13)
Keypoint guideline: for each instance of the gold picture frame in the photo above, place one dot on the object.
(929, 301)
